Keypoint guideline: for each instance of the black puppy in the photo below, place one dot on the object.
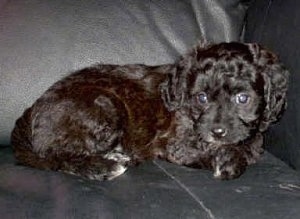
(207, 110)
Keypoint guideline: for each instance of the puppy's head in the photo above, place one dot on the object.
(231, 90)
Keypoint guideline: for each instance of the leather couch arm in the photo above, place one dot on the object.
(276, 24)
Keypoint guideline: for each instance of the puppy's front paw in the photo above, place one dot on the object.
(227, 171)
(228, 164)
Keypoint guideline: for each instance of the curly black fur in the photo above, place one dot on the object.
(208, 110)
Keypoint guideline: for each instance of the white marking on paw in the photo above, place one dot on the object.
(119, 148)
(117, 156)
(120, 169)
(217, 172)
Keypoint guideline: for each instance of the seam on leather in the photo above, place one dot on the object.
(186, 189)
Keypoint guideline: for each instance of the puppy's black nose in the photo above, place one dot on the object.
(219, 131)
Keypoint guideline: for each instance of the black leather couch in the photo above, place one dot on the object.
(41, 41)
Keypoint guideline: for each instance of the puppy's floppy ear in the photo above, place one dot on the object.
(275, 84)
(174, 89)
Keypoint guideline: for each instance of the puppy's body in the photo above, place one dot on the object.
(101, 117)
(100, 120)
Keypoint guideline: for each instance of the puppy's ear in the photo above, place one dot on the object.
(173, 90)
(275, 84)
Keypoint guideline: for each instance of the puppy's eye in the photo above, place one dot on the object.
(242, 98)
(202, 98)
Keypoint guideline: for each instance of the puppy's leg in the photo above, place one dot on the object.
(94, 166)
(228, 163)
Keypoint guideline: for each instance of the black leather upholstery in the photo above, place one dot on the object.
(156, 189)
(275, 24)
